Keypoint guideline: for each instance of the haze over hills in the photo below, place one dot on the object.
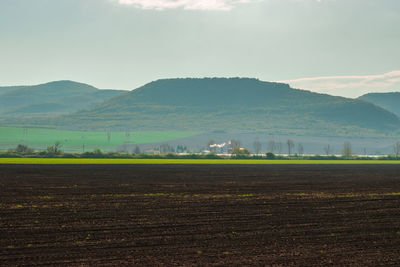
(229, 104)
(51, 99)
(388, 101)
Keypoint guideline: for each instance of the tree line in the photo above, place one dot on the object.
(238, 152)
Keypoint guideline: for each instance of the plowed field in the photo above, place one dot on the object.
(222, 215)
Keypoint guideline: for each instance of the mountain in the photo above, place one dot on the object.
(51, 99)
(5, 89)
(388, 101)
(243, 104)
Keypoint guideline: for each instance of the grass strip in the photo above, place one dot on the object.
(50, 161)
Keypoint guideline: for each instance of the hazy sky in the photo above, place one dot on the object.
(123, 44)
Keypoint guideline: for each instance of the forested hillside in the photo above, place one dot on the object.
(234, 104)
(50, 99)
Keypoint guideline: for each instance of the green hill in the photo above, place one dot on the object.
(234, 104)
(76, 141)
(389, 101)
(51, 99)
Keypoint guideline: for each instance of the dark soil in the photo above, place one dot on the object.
(298, 215)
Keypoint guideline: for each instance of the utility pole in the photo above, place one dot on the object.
(108, 136)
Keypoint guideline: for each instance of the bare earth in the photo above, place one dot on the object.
(200, 215)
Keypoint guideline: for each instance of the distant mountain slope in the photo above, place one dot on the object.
(389, 101)
(234, 104)
(52, 99)
(5, 89)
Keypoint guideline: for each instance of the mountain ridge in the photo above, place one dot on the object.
(234, 104)
(389, 101)
(51, 99)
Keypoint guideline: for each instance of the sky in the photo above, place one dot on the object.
(341, 47)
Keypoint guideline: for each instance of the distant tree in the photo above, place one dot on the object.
(166, 148)
(21, 148)
(54, 149)
(300, 149)
(328, 150)
(98, 152)
(290, 145)
(271, 146)
(397, 149)
(181, 149)
(124, 149)
(24, 149)
(270, 155)
(257, 147)
(136, 150)
(347, 152)
(235, 144)
(279, 147)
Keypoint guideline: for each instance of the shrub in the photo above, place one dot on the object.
(212, 155)
(270, 155)
(240, 153)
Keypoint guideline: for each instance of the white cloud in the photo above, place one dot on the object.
(185, 4)
(350, 86)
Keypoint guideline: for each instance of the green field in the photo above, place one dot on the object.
(75, 141)
(185, 161)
